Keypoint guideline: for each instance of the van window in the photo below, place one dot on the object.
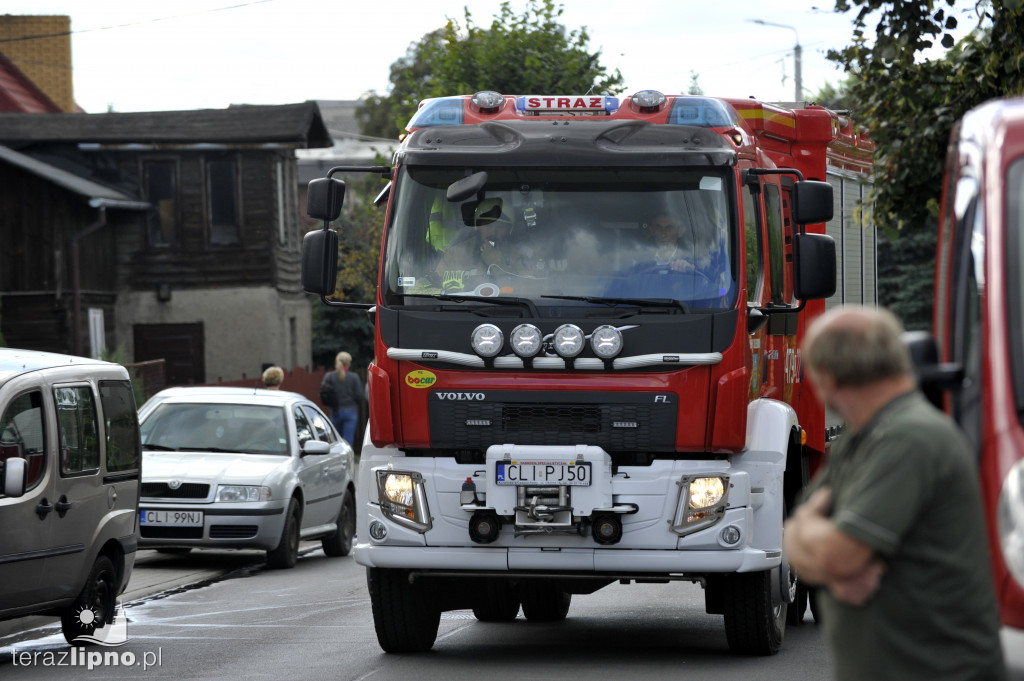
(122, 425)
(22, 435)
(76, 428)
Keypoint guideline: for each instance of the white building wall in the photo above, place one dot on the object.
(243, 328)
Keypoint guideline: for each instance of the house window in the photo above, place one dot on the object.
(162, 192)
(222, 197)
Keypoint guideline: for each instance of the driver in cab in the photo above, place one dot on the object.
(486, 249)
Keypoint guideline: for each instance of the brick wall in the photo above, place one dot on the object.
(45, 60)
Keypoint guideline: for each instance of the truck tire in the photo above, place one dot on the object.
(405, 615)
(754, 624)
(97, 596)
(543, 601)
(496, 601)
(287, 552)
(340, 543)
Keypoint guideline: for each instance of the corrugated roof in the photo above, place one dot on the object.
(297, 124)
(98, 194)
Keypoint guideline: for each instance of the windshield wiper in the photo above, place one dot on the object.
(638, 302)
(494, 300)
(219, 450)
(163, 448)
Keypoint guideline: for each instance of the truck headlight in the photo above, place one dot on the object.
(487, 340)
(236, 493)
(1010, 514)
(706, 492)
(702, 502)
(569, 340)
(402, 499)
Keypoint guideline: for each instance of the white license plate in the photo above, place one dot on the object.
(543, 473)
(179, 518)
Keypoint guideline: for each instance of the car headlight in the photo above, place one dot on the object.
(402, 499)
(1010, 514)
(702, 502)
(235, 493)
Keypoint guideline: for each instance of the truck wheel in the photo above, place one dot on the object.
(340, 543)
(795, 610)
(496, 601)
(405, 615)
(543, 601)
(754, 622)
(94, 607)
(287, 552)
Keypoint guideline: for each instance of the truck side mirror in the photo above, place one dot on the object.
(13, 476)
(324, 198)
(320, 261)
(815, 272)
(812, 202)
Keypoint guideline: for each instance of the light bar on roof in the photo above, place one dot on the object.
(585, 104)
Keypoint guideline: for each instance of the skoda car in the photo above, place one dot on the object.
(243, 468)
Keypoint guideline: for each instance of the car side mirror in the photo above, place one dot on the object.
(316, 447)
(933, 377)
(13, 476)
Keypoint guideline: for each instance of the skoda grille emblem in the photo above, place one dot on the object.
(174, 484)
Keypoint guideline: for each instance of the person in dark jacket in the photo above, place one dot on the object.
(347, 390)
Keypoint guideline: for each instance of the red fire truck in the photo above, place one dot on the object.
(979, 326)
(587, 364)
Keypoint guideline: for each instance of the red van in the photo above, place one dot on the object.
(977, 370)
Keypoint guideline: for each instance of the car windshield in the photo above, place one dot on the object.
(248, 429)
(543, 234)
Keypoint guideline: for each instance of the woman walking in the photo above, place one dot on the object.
(346, 390)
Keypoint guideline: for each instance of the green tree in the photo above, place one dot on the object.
(531, 52)
(910, 105)
(695, 88)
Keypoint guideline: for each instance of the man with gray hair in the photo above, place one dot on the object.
(893, 530)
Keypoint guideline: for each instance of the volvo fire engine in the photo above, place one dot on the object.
(582, 409)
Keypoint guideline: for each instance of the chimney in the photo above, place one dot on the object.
(40, 46)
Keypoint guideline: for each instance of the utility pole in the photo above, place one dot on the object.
(797, 58)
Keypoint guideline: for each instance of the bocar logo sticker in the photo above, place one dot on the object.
(420, 379)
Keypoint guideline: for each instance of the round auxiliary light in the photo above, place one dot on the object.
(569, 340)
(606, 341)
(487, 340)
(488, 99)
(730, 535)
(526, 340)
(648, 99)
(378, 530)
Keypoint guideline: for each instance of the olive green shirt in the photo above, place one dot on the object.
(906, 484)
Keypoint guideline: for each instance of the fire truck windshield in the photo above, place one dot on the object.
(533, 233)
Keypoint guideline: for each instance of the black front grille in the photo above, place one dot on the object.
(614, 421)
(188, 490)
(233, 531)
(148, 532)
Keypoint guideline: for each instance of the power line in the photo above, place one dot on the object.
(134, 23)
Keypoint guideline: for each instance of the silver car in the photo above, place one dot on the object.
(244, 468)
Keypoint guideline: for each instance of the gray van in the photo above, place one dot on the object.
(69, 488)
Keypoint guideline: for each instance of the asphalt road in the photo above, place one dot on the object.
(314, 622)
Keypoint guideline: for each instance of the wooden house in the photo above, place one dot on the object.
(169, 235)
